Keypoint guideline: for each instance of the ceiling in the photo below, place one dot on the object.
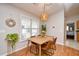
(71, 9)
(37, 8)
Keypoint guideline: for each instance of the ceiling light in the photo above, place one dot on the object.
(44, 15)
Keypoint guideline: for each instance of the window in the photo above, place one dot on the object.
(30, 27)
(35, 27)
(67, 28)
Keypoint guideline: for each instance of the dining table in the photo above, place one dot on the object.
(40, 41)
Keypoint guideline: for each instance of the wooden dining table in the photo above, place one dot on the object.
(41, 40)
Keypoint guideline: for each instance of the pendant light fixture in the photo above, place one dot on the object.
(44, 15)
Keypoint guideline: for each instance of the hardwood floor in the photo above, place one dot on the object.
(60, 51)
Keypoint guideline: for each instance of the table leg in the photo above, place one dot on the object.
(39, 50)
(28, 46)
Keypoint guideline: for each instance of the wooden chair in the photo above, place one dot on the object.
(33, 47)
(47, 49)
(54, 43)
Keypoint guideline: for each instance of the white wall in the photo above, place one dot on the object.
(9, 11)
(57, 21)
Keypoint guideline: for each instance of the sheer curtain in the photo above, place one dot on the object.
(30, 27)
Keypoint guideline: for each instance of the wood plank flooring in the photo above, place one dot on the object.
(60, 51)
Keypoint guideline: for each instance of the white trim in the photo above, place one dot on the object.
(13, 51)
(4, 54)
(61, 43)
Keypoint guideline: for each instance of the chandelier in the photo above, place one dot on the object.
(44, 15)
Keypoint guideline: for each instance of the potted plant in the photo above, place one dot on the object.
(12, 38)
(43, 30)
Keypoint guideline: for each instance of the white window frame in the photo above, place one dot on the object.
(29, 28)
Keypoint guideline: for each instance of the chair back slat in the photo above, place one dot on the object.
(54, 40)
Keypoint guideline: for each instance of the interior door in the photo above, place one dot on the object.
(78, 36)
(77, 24)
(77, 30)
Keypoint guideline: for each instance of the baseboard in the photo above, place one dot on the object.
(13, 51)
(17, 50)
(4, 54)
(61, 43)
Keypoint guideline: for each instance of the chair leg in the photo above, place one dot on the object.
(29, 48)
(54, 47)
(36, 48)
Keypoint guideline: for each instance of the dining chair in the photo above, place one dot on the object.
(34, 47)
(54, 43)
(47, 49)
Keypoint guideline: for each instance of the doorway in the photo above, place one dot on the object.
(70, 31)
